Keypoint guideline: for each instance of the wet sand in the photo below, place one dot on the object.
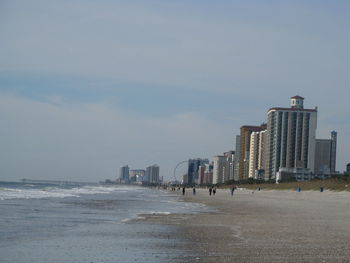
(263, 226)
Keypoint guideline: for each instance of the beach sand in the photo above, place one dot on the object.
(263, 226)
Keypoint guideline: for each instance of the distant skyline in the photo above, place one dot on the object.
(89, 86)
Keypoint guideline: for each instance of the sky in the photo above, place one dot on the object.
(88, 86)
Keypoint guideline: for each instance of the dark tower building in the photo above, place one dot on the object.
(193, 166)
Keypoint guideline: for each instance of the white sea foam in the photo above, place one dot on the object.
(159, 213)
(9, 193)
(54, 192)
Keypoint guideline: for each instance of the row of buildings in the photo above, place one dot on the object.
(283, 148)
(139, 176)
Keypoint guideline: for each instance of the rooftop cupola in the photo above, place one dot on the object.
(297, 102)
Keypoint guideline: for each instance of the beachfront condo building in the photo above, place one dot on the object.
(124, 174)
(192, 171)
(236, 158)
(246, 131)
(201, 174)
(229, 165)
(137, 175)
(257, 154)
(205, 174)
(334, 136)
(291, 138)
(208, 174)
(325, 158)
(218, 169)
(223, 168)
(152, 174)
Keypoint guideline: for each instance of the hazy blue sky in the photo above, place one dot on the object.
(87, 86)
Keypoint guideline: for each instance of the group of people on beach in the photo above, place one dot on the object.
(193, 190)
(212, 190)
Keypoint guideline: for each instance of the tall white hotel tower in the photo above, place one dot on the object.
(291, 136)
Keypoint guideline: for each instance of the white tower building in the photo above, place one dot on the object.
(218, 169)
(257, 153)
(291, 135)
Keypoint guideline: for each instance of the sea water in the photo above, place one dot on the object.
(87, 223)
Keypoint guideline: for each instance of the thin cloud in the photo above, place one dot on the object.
(90, 141)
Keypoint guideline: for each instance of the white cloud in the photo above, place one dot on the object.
(90, 141)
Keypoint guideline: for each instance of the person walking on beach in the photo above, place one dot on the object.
(194, 190)
(232, 189)
(210, 189)
(214, 190)
(183, 190)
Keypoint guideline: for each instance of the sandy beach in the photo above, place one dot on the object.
(264, 226)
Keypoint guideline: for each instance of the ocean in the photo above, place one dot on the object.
(87, 223)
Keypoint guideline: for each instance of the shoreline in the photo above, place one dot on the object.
(263, 226)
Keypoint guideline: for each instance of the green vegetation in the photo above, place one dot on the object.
(336, 183)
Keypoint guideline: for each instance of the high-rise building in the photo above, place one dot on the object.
(261, 155)
(152, 174)
(229, 166)
(201, 174)
(205, 174)
(192, 172)
(325, 155)
(236, 158)
(218, 169)
(291, 135)
(136, 175)
(257, 154)
(348, 168)
(244, 155)
(184, 179)
(333, 151)
(208, 174)
(223, 167)
(124, 174)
